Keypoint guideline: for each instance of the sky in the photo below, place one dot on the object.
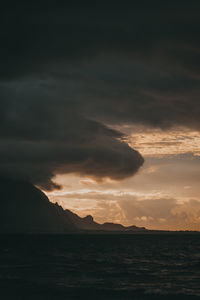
(99, 107)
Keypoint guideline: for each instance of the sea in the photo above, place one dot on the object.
(100, 266)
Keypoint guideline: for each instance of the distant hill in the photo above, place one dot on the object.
(88, 223)
(26, 209)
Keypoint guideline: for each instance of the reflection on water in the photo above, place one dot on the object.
(100, 267)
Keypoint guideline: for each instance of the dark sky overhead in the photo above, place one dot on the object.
(85, 86)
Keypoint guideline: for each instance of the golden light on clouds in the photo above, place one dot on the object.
(157, 142)
(164, 194)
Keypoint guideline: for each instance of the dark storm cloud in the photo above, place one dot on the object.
(41, 137)
(36, 35)
(67, 70)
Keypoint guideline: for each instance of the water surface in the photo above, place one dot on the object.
(100, 266)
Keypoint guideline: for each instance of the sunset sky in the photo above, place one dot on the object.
(163, 194)
(100, 107)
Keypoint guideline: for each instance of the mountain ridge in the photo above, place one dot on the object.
(26, 209)
(88, 223)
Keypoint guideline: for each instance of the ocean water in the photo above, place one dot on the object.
(138, 266)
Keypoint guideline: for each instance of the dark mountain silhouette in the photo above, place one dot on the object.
(26, 209)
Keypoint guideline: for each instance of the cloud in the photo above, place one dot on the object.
(67, 31)
(168, 214)
(153, 213)
(43, 137)
(70, 71)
